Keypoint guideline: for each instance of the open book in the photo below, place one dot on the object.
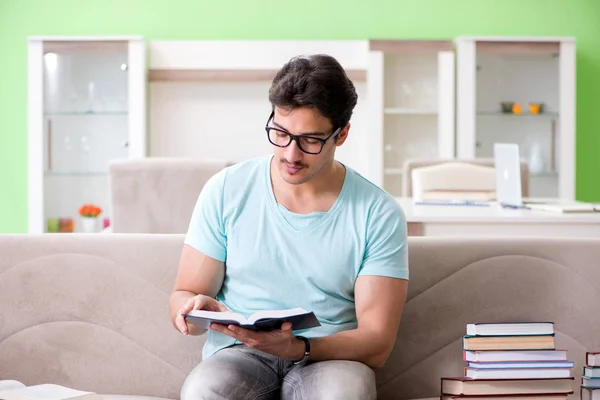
(47, 392)
(564, 207)
(261, 320)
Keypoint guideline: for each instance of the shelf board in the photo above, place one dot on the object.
(227, 75)
(545, 174)
(86, 46)
(410, 46)
(502, 114)
(392, 171)
(518, 47)
(409, 111)
(85, 113)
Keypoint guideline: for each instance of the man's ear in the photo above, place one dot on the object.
(343, 135)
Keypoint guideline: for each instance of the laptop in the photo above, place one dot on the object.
(508, 175)
(508, 184)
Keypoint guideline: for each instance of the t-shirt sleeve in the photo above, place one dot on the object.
(386, 251)
(206, 231)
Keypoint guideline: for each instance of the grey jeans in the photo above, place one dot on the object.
(239, 372)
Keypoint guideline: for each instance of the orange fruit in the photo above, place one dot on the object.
(534, 108)
(516, 109)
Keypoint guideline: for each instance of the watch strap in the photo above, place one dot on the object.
(306, 350)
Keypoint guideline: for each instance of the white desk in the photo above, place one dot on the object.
(433, 220)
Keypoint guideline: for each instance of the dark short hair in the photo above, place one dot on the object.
(316, 81)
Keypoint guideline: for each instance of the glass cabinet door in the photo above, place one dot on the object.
(518, 102)
(416, 114)
(85, 106)
(520, 90)
(85, 122)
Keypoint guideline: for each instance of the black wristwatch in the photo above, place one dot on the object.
(306, 350)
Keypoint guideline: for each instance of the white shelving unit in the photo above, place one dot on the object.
(411, 106)
(86, 106)
(520, 70)
(209, 99)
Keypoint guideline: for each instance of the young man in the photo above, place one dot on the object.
(295, 229)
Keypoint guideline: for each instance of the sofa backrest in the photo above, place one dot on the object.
(91, 311)
(157, 194)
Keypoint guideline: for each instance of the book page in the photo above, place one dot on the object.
(218, 315)
(46, 392)
(268, 314)
(563, 207)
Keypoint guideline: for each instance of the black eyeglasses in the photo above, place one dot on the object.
(306, 143)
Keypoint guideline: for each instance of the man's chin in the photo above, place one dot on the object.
(295, 179)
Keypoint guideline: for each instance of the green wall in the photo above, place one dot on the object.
(262, 19)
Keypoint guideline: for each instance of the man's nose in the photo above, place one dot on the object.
(293, 152)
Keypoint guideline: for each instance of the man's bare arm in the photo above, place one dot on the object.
(198, 274)
(379, 305)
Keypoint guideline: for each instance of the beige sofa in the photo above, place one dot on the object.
(90, 311)
(157, 194)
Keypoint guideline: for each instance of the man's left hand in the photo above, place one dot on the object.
(280, 342)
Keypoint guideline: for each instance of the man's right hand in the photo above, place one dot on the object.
(198, 302)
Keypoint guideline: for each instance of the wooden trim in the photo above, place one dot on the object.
(410, 46)
(75, 46)
(507, 47)
(415, 229)
(357, 75)
(227, 75)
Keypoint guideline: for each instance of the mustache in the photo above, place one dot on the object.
(296, 164)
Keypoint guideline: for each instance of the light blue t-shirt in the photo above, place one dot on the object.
(276, 259)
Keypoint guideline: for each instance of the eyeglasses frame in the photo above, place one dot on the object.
(297, 137)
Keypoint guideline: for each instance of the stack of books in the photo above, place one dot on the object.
(590, 379)
(511, 361)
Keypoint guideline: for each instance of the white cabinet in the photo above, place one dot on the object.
(501, 81)
(209, 99)
(86, 107)
(411, 106)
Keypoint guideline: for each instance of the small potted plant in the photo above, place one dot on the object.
(89, 217)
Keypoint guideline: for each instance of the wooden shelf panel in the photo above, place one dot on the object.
(410, 46)
(526, 48)
(83, 46)
(227, 75)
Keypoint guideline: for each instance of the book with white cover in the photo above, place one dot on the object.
(511, 397)
(47, 391)
(515, 355)
(591, 372)
(521, 364)
(510, 328)
(590, 382)
(514, 373)
(564, 207)
(586, 394)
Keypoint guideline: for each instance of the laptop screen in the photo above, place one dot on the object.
(508, 174)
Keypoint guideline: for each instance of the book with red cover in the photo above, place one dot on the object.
(551, 396)
(592, 359)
